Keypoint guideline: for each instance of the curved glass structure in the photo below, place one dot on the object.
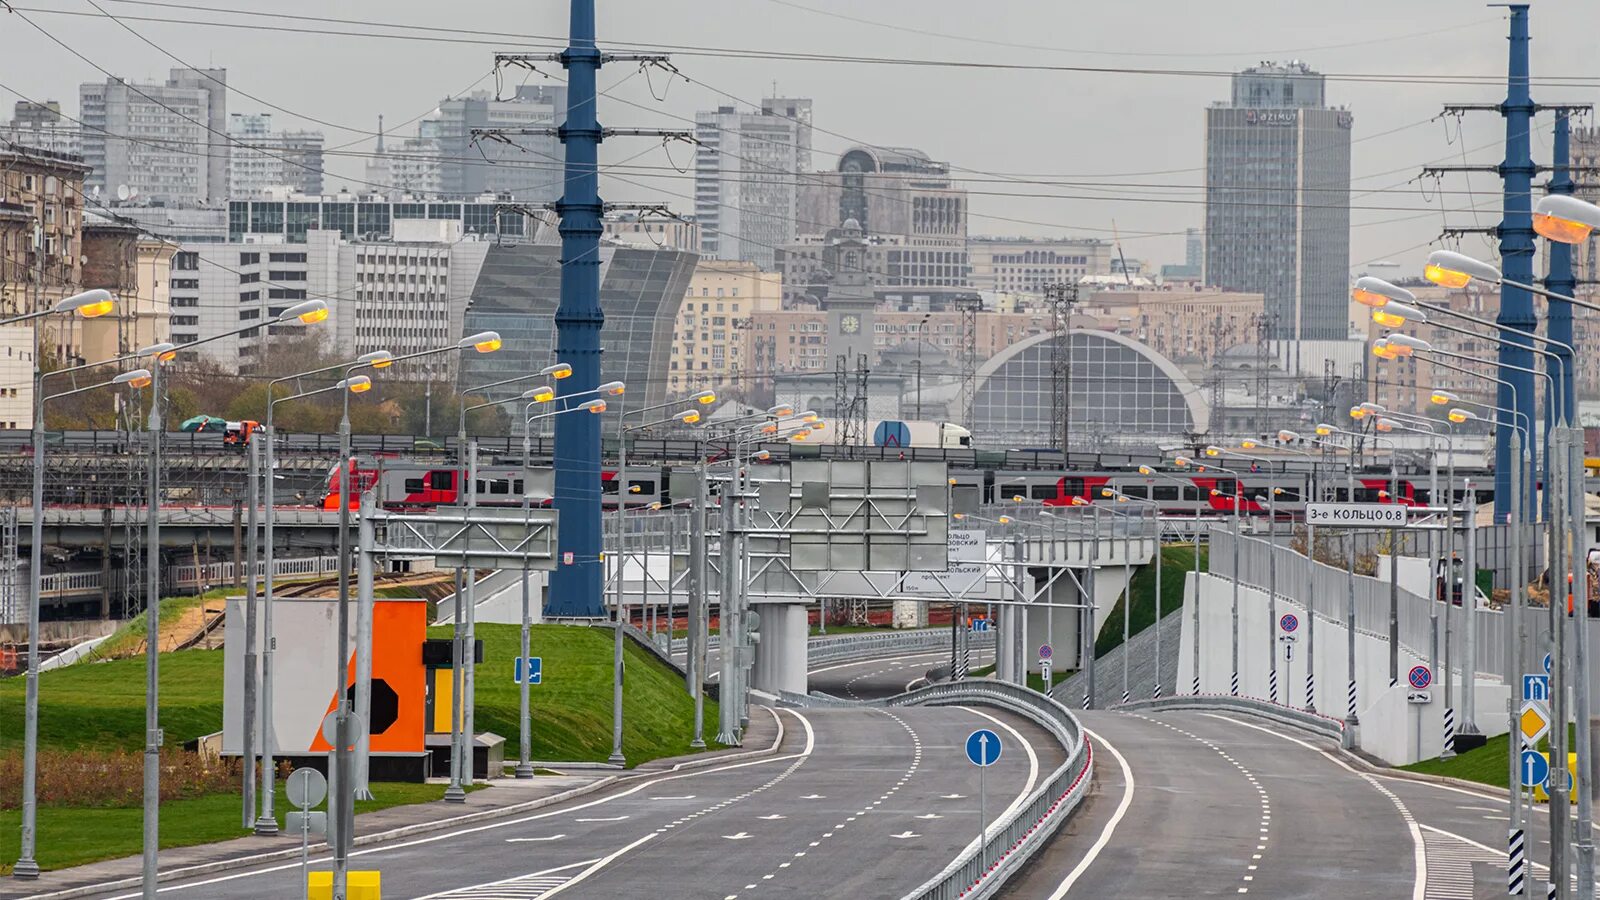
(1122, 392)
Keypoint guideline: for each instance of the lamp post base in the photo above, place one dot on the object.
(266, 826)
(617, 759)
(454, 794)
(524, 770)
(697, 744)
(25, 870)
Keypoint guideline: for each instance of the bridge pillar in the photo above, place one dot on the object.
(780, 656)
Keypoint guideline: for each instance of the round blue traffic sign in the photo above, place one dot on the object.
(1420, 677)
(1289, 622)
(1534, 768)
(1045, 652)
(983, 747)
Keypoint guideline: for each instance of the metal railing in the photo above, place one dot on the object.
(68, 584)
(1012, 839)
(1323, 725)
(871, 643)
(1327, 597)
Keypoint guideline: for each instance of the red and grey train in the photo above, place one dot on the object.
(411, 485)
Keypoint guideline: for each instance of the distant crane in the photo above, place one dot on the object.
(1117, 242)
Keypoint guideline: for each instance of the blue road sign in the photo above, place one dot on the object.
(1536, 687)
(983, 747)
(535, 670)
(1547, 664)
(979, 625)
(1420, 677)
(1045, 652)
(1535, 768)
(1289, 622)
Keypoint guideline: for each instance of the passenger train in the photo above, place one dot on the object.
(412, 485)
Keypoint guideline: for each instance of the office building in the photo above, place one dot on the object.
(746, 176)
(1278, 199)
(368, 217)
(404, 293)
(165, 143)
(40, 126)
(264, 159)
(516, 294)
(670, 234)
(445, 159)
(1029, 265)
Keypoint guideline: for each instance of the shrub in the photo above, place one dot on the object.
(115, 778)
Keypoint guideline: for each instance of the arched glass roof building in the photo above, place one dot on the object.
(1122, 393)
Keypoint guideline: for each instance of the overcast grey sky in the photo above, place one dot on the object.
(1105, 130)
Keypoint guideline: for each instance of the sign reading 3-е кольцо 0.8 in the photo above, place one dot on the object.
(1356, 515)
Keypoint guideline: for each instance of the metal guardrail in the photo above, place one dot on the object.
(1012, 839)
(67, 584)
(869, 643)
(1266, 709)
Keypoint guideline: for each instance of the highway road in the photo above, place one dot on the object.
(1190, 804)
(863, 803)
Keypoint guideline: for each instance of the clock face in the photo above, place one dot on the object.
(849, 324)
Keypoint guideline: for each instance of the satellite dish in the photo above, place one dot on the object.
(123, 193)
(133, 192)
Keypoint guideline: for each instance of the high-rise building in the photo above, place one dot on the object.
(167, 143)
(40, 126)
(708, 339)
(1278, 199)
(262, 159)
(746, 177)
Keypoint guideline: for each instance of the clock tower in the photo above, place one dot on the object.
(850, 302)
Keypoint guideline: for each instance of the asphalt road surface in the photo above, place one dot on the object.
(858, 803)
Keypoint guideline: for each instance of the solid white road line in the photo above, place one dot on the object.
(515, 878)
(1419, 853)
(1110, 826)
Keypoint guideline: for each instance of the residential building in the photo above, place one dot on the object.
(747, 177)
(263, 159)
(41, 262)
(798, 110)
(1278, 199)
(516, 294)
(446, 158)
(166, 143)
(708, 343)
(135, 267)
(40, 126)
(1188, 326)
(1031, 264)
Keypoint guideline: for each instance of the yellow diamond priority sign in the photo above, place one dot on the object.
(1533, 722)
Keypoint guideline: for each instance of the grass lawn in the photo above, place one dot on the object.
(1485, 765)
(101, 706)
(72, 836)
(1177, 561)
(1034, 681)
(571, 710)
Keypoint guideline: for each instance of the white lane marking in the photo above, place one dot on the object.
(601, 863)
(773, 818)
(952, 796)
(610, 819)
(741, 836)
(433, 838)
(1419, 888)
(813, 797)
(905, 835)
(684, 797)
(537, 880)
(1110, 827)
(930, 816)
(553, 837)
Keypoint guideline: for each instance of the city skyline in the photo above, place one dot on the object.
(1393, 136)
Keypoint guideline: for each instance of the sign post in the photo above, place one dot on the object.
(306, 788)
(983, 751)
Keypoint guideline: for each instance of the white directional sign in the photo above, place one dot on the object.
(965, 574)
(1356, 515)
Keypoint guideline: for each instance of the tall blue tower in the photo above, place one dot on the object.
(576, 583)
(1516, 262)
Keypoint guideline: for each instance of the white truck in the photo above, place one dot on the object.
(897, 433)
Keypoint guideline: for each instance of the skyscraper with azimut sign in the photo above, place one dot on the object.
(1278, 199)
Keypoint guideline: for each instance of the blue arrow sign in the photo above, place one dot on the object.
(535, 670)
(979, 625)
(1535, 768)
(983, 747)
(1547, 664)
(1536, 687)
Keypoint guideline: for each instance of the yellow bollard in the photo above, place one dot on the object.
(1539, 794)
(358, 885)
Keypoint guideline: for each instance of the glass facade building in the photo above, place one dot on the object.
(367, 219)
(1122, 392)
(519, 288)
(1278, 200)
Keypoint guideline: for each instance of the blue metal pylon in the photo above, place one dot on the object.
(575, 586)
(1516, 262)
